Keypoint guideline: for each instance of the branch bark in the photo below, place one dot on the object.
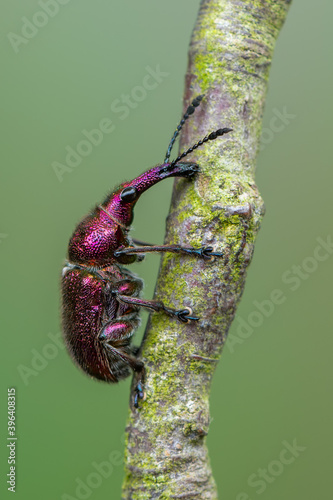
(229, 60)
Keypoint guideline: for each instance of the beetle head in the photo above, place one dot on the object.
(120, 203)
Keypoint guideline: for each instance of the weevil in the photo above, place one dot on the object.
(101, 298)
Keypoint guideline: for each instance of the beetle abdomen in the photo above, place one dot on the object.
(89, 310)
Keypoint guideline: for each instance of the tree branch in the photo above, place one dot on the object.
(229, 60)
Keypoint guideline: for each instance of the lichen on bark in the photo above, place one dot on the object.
(229, 60)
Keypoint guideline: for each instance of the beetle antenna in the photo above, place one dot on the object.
(210, 137)
(190, 110)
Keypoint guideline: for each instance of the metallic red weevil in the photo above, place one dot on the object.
(101, 298)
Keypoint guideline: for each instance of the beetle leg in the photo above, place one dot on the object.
(114, 337)
(206, 253)
(137, 366)
(181, 314)
(128, 359)
(142, 243)
(139, 393)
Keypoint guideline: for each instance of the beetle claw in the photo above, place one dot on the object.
(208, 253)
(139, 394)
(183, 315)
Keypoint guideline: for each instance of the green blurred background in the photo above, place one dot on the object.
(272, 387)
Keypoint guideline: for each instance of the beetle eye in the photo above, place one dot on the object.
(128, 194)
